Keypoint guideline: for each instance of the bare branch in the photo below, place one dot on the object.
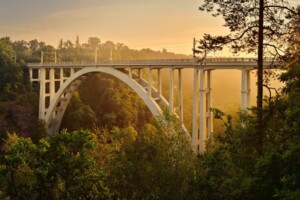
(242, 35)
(227, 40)
(282, 7)
(275, 48)
(270, 92)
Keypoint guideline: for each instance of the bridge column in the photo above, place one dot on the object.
(195, 138)
(52, 87)
(139, 73)
(248, 87)
(42, 77)
(52, 84)
(246, 90)
(30, 75)
(159, 83)
(209, 105)
(72, 71)
(180, 96)
(202, 117)
(149, 82)
(243, 90)
(61, 77)
(130, 72)
(171, 89)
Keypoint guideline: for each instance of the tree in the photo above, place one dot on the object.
(11, 75)
(77, 49)
(232, 169)
(17, 179)
(6, 53)
(60, 44)
(77, 42)
(256, 26)
(67, 169)
(94, 42)
(21, 49)
(80, 113)
(33, 45)
(63, 167)
(113, 102)
(155, 163)
(68, 45)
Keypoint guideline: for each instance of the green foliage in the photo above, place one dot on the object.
(233, 169)
(17, 179)
(111, 103)
(6, 53)
(156, 163)
(21, 116)
(80, 113)
(70, 171)
(11, 74)
(61, 168)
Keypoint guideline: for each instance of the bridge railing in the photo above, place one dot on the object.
(189, 61)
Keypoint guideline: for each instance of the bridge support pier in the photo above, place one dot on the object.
(171, 91)
(202, 116)
(42, 77)
(149, 82)
(246, 90)
(130, 72)
(159, 87)
(61, 77)
(140, 73)
(30, 75)
(200, 135)
(52, 84)
(209, 115)
(180, 96)
(195, 138)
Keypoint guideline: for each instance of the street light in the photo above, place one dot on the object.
(48, 52)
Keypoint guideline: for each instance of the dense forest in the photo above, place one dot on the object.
(110, 147)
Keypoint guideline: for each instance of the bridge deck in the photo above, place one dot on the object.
(210, 63)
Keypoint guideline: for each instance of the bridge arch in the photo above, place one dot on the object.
(63, 96)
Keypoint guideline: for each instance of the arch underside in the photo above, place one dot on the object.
(60, 101)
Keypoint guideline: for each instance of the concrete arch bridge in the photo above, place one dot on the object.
(59, 81)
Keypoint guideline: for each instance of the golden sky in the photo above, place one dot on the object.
(154, 24)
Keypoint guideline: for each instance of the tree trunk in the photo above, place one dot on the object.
(259, 140)
(14, 184)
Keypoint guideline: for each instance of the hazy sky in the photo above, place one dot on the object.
(155, 24)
